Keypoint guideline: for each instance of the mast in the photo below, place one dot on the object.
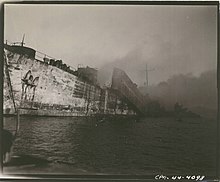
(22, 42)
(147, 78)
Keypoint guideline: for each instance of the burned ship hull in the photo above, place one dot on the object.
(37, 87)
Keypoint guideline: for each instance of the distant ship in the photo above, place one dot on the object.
(49, 87)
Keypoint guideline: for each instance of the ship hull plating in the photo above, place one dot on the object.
(38, 88)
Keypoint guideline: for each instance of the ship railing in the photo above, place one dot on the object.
(12, 43)
(43, 55)
(44, 58)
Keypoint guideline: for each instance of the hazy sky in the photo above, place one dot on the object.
(171, 39)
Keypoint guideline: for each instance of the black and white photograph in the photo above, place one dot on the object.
(110, 89)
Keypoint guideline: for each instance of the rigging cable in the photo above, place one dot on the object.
(7, 74)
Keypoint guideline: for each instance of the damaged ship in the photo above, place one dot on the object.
(48, 87)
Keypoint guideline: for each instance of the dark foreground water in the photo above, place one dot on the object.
(149, 146)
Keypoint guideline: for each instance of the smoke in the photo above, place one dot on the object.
(199, 94)
(164, 57)
(177, 77)
(133, 64)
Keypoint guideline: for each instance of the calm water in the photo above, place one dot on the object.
(150, 146)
